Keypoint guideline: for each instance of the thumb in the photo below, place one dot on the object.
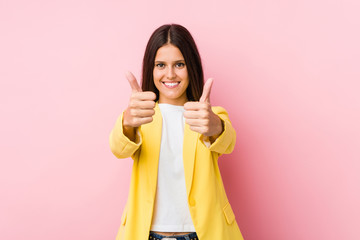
(205, 97)
(133, 82)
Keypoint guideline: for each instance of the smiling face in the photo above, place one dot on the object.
(170, 75)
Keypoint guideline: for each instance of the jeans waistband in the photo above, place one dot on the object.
(190, 236)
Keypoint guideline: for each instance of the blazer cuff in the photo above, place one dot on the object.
(222, 142)
(120, 144)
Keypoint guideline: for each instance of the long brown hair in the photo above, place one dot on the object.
(180, 37)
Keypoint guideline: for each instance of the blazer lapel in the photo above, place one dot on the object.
(151, 148)
(189, 148)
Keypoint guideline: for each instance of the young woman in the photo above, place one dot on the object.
(175, 138)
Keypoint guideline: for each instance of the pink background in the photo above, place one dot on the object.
(287, 71)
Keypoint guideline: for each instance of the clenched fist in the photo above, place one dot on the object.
(140, 109)
(201, 118)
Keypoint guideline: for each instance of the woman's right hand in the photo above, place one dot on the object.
(140, 109)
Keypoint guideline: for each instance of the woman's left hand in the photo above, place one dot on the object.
(200, 117)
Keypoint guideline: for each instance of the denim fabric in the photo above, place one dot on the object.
(190, 236)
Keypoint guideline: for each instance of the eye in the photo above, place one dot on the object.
(160, 65)
(180, 65)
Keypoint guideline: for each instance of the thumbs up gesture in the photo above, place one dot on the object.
(200, 117)
(140, 109)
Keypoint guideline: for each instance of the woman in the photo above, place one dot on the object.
(175, 138)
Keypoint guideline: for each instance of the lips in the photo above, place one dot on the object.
(171, 84)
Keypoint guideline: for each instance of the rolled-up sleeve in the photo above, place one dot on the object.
(225, 143)
(120, 145)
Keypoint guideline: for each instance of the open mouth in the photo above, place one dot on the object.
(171, 84)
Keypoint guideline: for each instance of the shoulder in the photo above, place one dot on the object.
(218, 110)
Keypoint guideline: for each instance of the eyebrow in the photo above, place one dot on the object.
(160, 61)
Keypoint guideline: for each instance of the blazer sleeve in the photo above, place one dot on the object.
(120, 145)
(225, 143)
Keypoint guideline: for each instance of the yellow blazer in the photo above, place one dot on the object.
(209, 207)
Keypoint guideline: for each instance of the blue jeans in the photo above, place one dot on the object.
(190, 236)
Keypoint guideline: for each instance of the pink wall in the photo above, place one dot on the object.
(287, 72)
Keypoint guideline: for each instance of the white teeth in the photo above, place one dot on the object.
(171, 84)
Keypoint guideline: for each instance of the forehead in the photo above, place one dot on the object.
(168, 52)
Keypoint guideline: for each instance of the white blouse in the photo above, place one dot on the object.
(171, 211)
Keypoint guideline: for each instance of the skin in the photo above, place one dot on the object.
(140, 109)
(170, 68)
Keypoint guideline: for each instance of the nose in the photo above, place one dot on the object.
(171, 73)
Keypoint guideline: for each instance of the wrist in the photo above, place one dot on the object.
(128, 130)
(218, 132)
